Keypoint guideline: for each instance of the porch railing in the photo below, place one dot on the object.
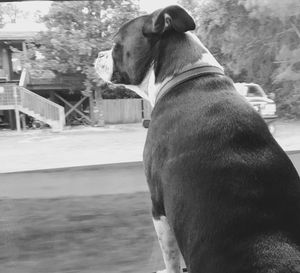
(45, 108)
(9, 96)
(20, 98)
(25, 78)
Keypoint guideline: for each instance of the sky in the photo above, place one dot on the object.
(151, 5)
(43, 6)
(31, 7)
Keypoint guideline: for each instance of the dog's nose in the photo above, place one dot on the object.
(103, 54)
(100, 55)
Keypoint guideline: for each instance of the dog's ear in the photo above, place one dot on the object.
(172, 17)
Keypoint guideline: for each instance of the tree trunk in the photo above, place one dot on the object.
(295, 29)
(98, 109)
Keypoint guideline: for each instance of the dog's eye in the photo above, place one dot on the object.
(118, 47)
(117, 52)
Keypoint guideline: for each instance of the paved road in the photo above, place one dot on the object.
(39, 150)
(82, 181)
(43, 149)
(76, 181)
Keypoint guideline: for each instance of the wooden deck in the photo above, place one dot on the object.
(67, 82)
(9, 96)
(7, 107)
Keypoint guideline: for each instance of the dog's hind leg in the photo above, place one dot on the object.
(168, 245)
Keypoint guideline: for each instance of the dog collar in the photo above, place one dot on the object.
(189, 73)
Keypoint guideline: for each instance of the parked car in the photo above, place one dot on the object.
(256, 96)
(262, 103)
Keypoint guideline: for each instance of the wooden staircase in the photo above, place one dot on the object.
(41, 109)
(20, 99)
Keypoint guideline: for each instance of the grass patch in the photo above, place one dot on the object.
(107, 233)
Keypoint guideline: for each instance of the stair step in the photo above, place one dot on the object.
(32, 100)
(55, 125)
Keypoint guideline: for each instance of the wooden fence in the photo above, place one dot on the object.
(125, 110)
(147, 109)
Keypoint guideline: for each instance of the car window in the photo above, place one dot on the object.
(255, 91)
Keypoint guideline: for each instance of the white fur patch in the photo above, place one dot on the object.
(104, 68)
(104, 65)
(146, 88)
(168, 245)
(207, 58)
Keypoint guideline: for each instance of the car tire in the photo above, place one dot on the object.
(146, 123)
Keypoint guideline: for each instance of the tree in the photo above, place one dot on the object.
(192, 6)
(9, 13)
(256, 41)
(287, 73)
(77, 31)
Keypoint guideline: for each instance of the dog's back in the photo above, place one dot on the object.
(228, 190)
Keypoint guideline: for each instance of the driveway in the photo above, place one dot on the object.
(43, 149)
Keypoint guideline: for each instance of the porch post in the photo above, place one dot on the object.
(92, 114)
(11, 119)
(23, 121)
(98, 111)
(24, 49)
(17, 114)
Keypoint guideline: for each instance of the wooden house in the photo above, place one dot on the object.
(54, 100)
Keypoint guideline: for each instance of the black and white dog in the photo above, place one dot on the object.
(224, 193)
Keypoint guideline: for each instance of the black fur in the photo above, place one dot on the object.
(228, 190)
(136, 52)
(170, 18)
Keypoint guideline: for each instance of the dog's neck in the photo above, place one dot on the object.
(170, 59)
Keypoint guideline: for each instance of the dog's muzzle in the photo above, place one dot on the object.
(104, 65)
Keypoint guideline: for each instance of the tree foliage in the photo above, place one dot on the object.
(77, 31)
(9, 13)
(256, 41)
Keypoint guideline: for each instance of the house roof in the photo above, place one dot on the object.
(20, 31)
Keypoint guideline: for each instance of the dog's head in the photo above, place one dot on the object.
(150, 48)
